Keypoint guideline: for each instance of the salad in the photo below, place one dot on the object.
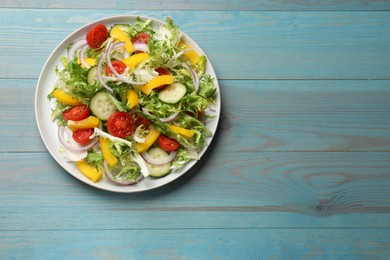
(132, 102)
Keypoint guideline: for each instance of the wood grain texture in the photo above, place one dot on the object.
(241, 45)
(196, 244)
(299, 168)
(349, 5)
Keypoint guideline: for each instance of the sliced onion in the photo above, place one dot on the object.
(76, 45)
(82, 56)
(194, 75)
(158, 162)
(71, 144)
(142, 164)
(162, 119)
(99, 75)
(110, 48)
(116, 181)
(141, 47)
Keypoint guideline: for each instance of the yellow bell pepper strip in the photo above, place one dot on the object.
(89, 122)
(134, 60)
(107, 155)
(65, 98)
(189, 53)
(119, 35)
(89, 171)
(182, 131)
(156, 82)
(149, 140)
(90, 61)
(132, 98)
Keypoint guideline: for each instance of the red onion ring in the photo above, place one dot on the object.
(110, 48)
(99, 76)
(76, 45)
(162, 119)
(116, 181)
(72, 145)
(194, 76)
(153, 161)
(82, 56)
(141, 47)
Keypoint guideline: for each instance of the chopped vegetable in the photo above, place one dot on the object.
(89, 171)
(157, 82)
(89, 122)
(65, 98)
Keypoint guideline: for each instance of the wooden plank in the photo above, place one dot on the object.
(264, 45)
(349, 5)
(224, 190)
(270, 115)
(198, 244)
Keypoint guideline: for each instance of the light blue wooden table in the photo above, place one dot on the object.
(300, 165)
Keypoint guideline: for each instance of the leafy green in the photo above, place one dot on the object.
(163, 49)
(193, 103)
(127, 169)
(157, 107)
(140, 26)
(184, 156)
(73, 79)
(95, 159)
(207, 88)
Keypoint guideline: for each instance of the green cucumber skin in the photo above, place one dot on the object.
(102, 106)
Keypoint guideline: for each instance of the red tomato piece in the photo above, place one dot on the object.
(163, 71)
(168, 144)
(120, 124)
(96, 36)
(141, 38)
(76, 113)
(118, 65)
(140, 120)
(82, 136)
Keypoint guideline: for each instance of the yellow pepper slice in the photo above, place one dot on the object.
(89, 171)
(189, 53)
(119, 35)
(65, 98)
(108, 156)
(134, 60)
(132, 98)
(89, 122)
(90, 61)
(182, 131)
(156, 82)
(150, 139)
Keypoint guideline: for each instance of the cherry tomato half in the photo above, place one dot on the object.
(76, 113)
(120, 124)
(167, 143)
(96, 36)
(141, 38)
(82, 136)
(163, 71)
(118, 65)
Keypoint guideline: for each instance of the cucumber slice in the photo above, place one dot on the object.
(102, 106)
(92, 76)
(126, 28)
(172, 93)
(158, 171)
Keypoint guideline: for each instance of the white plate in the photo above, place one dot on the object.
(48, 130)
